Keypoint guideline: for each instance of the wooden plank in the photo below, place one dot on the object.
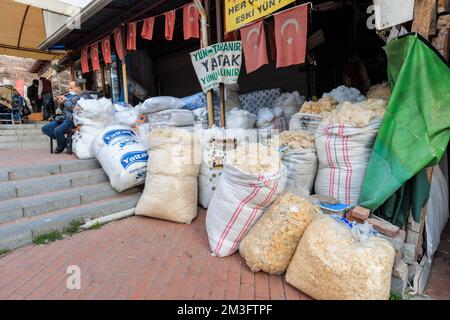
(425, 12)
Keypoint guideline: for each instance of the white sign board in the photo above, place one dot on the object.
(389, 13)
(218, 63)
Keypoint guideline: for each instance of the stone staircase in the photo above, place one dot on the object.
(38, 199)
(23, 136)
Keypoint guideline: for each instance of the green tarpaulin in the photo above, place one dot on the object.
(415, 131)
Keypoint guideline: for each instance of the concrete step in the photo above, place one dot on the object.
(44, 170)
(21, 232)
(21, 132)
(24, 207)
(29, 187)
(25, 138)
(22, 126)
(25, 145)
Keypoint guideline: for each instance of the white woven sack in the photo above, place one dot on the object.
(343, 152)
(301, 167)
(156, 104)
(82, 142)
(238, 203)
(172, 118)
(213, 142)
(122, 156)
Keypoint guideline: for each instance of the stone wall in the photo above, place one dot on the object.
(13, 68)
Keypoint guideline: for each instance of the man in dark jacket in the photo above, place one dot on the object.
(45, 93)
(33, 96)
(64, 122)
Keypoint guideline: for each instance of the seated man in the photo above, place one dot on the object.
(64, 122)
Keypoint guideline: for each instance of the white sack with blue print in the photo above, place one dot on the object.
(122, 156)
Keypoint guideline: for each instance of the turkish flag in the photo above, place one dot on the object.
(169, 17)
(94, 57)
(147, 28)
(106, 49)
(131, 36)
(254, 46)
(119, 43)
(291, 29)
(84, 60)
(191, 26)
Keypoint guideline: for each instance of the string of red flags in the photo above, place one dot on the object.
(287, 38)
(191, 29)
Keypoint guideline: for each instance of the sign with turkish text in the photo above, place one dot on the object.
(241, 12)
(218, 63)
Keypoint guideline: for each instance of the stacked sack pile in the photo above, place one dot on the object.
(91, 116)
(167, 112)
(312, 113)
(171, 184)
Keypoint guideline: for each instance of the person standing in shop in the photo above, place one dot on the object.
(45, 93)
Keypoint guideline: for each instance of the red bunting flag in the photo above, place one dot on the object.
(147, 28)
(106, 49)
(254, 46)
(84, 60)
(170, 24)
(94, 57)
(119, 43)
(291, 28)
(191, 28)
(131, 36)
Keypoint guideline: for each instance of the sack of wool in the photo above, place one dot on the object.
(343, 94)
(271, 243)
(125, 115)
(216, 143)
(82, 142)
(252, 179)
(305, 122)
(379, 91)
(95, 113)
(290, 103)
(240, 119)
(358, 114)
(343, 151)
(271, 119)
(326, 104)
(299, 156)
(331, 263)
(171, 185)
(172, 118)
(157, 104)
(122, 156)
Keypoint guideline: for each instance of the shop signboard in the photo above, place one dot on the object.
(241, 12)
(218, 63)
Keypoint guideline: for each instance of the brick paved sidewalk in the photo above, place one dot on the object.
(137, 258)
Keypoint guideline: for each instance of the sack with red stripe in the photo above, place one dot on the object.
(252, 179)
(343, 151)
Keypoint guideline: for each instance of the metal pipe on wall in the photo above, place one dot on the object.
(219, 28)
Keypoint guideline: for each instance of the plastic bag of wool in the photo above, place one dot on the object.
(171, 185)
(253, 177)
(333, 263)
(271, 243)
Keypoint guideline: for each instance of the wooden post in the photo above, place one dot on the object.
(219, 28)
(205, 43)
(425, 12)
(124, 69)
